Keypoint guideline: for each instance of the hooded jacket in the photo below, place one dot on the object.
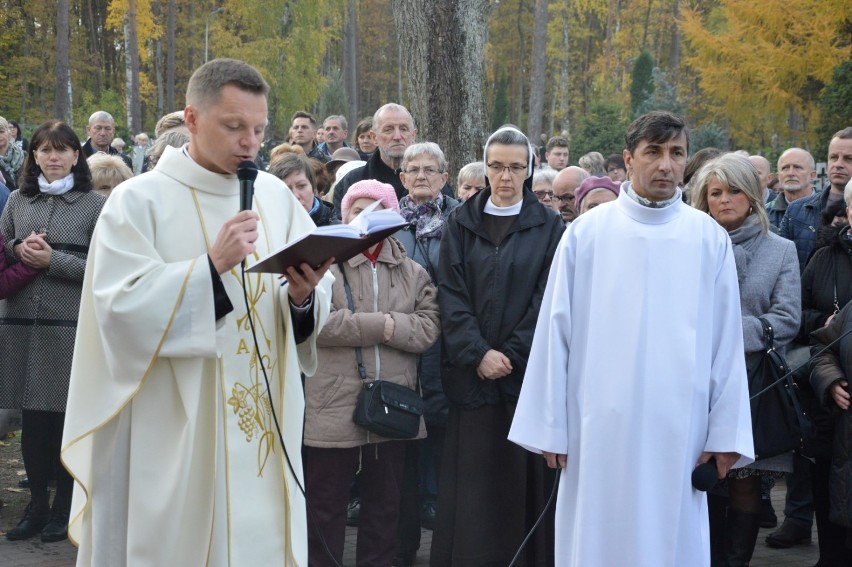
(396, 285)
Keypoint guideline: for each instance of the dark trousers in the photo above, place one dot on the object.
(329, 476)
(832, 537)
(41, 440)
(413, 493)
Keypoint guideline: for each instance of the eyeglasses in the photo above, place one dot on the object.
(566, 198)
(544, 194)
(427, 171)
(514, 169)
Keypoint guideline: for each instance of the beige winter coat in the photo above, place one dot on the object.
(398, 286)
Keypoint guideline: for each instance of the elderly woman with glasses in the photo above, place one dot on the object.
(495, 257)
(424, 174)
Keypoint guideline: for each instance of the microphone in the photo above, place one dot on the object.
(705, 477)
(246, 173)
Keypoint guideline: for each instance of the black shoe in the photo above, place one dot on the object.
(24, 482)
(353, 512)
(57, 527)
(30, 525)
(788, 535)
(427, 515)
(404, 559)
(768, 519)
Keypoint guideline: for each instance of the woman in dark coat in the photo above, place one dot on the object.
(47, 225)
(296, 171)
(825, 291)
(832, 369)
(426, 208)
(494, 261)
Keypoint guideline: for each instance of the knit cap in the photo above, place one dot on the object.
(370, 189)
(595, 183)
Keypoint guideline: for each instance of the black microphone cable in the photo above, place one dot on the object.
(547, 506)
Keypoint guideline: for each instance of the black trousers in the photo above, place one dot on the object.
(329, 474)
(832, 537)
(41, 440)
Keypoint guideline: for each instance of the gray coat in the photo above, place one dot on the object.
(38, 324)
(768, 273)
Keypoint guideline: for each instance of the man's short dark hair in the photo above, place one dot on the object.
(658, 127)
(844, 134)
(303, 114)
(206, 83)
(556, 141)
(614, 161)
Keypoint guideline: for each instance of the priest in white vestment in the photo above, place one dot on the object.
(170, 434)
(637, 372)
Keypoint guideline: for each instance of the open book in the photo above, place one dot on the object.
(341, 241)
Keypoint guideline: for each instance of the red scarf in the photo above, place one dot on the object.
(374, 256)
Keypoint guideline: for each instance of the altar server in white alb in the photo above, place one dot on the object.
(636, 373)
(169, 433)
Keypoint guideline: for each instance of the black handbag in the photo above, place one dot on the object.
(384, 408)
(779, 424)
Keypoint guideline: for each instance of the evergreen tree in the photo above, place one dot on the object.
(333, 99)
(500, 115)
(835, 107)
(642, 85)
(600, 130)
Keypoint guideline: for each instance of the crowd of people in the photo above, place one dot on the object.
(591, 325)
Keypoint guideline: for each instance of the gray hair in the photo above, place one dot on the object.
(734, 171)
(339, 118)
(107, 168)
(788, 150)
(544, 176)
(593, 162)
(509, 136)
(847, 193)
(4, 125)
(430, 149)
(173, 138)
(393, 107)
(101, 116)
(473, 170)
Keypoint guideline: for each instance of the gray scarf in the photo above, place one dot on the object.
(744, 240)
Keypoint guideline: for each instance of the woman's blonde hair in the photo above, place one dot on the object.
(735, 171)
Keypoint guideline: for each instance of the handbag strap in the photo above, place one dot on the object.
(361, 372)
(768, 334)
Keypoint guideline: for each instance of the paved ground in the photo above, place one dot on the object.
(33, 553)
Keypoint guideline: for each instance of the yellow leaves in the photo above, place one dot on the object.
(762, 58)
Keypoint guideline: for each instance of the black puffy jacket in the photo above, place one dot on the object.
(490, 295)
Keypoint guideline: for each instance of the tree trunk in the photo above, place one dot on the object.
(170, 56)
(564, 95)
(62, 93)
(94, 49)
(519, 76)
(350, 63)
(674, 58)
(134, 107)
(537, 75)
(443, 45)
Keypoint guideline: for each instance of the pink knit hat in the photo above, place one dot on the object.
(595, 183)
(369, 189)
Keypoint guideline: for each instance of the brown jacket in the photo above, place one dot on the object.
(398, 286)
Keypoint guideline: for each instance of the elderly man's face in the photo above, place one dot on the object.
(5, 138)
(394, 133)
(563, 191)
(334, 133)
(795, 171)
(101, 132)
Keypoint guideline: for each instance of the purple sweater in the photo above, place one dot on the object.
(13, 277)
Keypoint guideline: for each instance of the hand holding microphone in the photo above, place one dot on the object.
(236, 239)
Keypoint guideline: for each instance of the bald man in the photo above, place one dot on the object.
(564, 185)
(764, 171)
